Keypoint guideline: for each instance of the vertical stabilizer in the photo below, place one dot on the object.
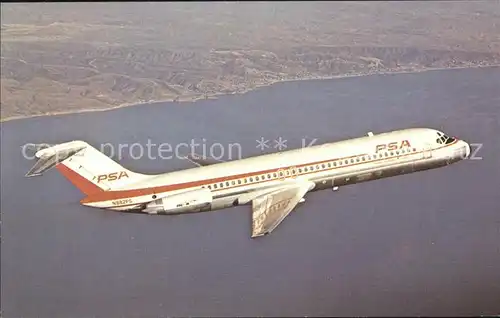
(88, 169)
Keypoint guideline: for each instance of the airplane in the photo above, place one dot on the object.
(273, 184)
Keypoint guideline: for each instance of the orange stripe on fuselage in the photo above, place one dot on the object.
(123, 194)
(79, 181)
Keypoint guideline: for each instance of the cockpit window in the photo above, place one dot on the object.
(443, 139)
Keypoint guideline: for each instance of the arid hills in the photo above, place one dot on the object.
(69, 57)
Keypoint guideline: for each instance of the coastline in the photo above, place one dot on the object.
(187, 99)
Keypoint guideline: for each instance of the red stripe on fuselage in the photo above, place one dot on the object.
(123, 194)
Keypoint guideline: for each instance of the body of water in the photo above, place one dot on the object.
(421, 244)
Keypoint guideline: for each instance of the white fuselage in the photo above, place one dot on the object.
(328, 165)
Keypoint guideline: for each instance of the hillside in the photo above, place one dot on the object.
(63, 57)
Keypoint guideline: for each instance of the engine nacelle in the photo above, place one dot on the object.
(190, 201)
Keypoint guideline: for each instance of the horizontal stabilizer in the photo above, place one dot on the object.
(41, 165)
(32, 149)
(49, 156)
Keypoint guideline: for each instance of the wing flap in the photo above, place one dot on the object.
(269, 210)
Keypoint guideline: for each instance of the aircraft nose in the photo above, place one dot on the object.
(466, 148)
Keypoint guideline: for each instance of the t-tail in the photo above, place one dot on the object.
(87, 168)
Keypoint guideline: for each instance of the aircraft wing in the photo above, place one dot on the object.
(269, 210)
(201, 161)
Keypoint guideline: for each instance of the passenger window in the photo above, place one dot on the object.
(215, 186)
(352, 160)
(227, 184)
(357, 159)
(392, 153)
(323, 166)
(300, 170)
(305, 169)
(346, 162)
(269, 176)
(239, 181)
(251, 179)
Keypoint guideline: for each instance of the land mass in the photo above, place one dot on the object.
(69, 57)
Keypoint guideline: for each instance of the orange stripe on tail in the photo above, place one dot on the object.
(80, 182)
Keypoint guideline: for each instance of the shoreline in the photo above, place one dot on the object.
(216, 95)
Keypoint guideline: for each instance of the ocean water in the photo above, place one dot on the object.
(421, 244)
